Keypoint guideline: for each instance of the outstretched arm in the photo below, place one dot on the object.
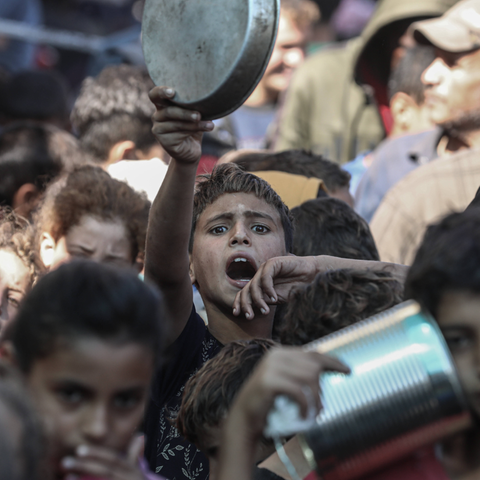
(277, 277)
(284, 371)
(179, 131)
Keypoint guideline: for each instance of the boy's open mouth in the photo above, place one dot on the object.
(240, 269)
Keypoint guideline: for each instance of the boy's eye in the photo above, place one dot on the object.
(71, 395)
(260, 229)
(218, 230)
(127, 400)
(15, 302)
(458, 341)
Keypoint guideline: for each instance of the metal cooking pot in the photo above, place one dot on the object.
(403, 394)
(213, 53)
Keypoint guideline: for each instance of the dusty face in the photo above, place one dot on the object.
(453, 85)
(459, 318)
(91, 393)
(233, 237)
(15, 281)
(98, 240)
(288, 53)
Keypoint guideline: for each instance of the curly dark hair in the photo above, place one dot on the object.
(328, 226)
(209, 394)
(229, 178)
(16, 235)
(447, 259)
(89, 190)
(337, 299)
(112, 107)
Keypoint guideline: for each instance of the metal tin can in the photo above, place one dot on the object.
(403, 393)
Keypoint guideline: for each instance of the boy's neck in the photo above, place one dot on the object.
(228, 328)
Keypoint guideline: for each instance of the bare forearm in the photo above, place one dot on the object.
(169, 226)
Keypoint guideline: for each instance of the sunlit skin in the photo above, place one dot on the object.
(90, 393)
(453, 85)
(95, 239)
(235, 224)
(288, 53)
(15, 281)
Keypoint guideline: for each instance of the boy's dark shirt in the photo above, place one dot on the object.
(167, 453)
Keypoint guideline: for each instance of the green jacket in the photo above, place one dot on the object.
(329, 107)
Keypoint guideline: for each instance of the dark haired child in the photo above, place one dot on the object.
(328, 226)
(17, 264)
(88, 214)
(87, 339)
(217, 239)
(32, 155)
(337, 299)
(445, 279)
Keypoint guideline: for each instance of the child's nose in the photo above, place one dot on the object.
(95, 424)
(240, 236)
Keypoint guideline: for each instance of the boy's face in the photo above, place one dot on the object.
(459, 319)
(233, 237)
(93, 393)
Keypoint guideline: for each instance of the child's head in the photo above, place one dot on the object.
(445, 279)
(328, 226)
(209, 394)
(337, 299)
(112, 115)
(298, 162)
(91, 215)
(238, 223)
(87, 339)
(31, 155)
(407, 92)
(21, 438)
(17, 266)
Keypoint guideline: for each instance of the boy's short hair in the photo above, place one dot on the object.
(298, 162)
(16, 234)
(86, 299)
(35, 153)
(337, 299)
(407, 76)
(302, 12)
(89, 190)
(229, 178)
(447, 259)
(113, 107)
(209, 394)
(328, 226)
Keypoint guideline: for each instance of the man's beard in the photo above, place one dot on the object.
(463, 124)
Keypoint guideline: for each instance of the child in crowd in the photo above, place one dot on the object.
(445, 279)
(21, 438)
(209, 394)
(337, 299)
(17, 265)
(328, 226)
(88, 214)
(87, 339)
(297, 162)
(216, 239)
(32, 155)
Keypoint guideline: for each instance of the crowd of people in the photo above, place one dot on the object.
(160, 273)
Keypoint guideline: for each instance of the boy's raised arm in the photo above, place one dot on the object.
(167, 261)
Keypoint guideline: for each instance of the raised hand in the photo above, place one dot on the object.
(178, 130)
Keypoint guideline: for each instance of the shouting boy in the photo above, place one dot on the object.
(216, 239)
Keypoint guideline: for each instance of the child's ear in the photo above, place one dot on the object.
(25, 199)
(47, 249)
(402, 108)
(191, 271)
